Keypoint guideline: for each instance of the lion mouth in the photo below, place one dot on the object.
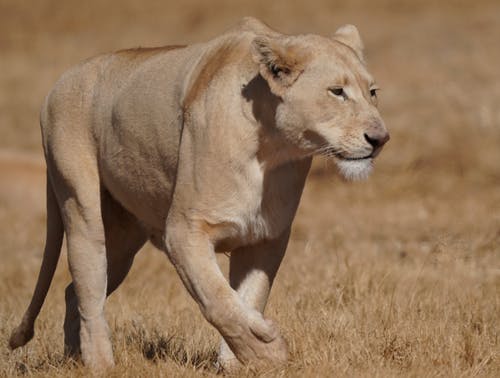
(342, 156)
(332, 152)
(349, 158)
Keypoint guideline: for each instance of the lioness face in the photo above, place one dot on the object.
(330, 106)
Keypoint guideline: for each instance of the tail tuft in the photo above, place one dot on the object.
(21, 335)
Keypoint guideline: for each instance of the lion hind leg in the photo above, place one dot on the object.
(124, 237)
(54, 237)
(79, 194)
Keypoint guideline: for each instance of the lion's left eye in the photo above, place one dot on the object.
(373, 91)
(338, 92)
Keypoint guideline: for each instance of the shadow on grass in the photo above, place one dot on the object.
(156, 346)
(51, 363)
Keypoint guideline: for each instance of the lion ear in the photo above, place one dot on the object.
(280, 64)
(349, 35)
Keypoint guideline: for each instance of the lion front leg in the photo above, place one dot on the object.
(252, 338)
(251, 273)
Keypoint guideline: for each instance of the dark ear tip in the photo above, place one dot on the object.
(260, 40)
(261, 50)
(261, 43)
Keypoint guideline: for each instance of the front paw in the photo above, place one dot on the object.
(260, 345)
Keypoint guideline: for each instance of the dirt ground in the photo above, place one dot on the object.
(395, 276)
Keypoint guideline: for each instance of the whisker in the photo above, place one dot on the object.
(327, 150)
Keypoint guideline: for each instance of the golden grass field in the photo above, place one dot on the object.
(395, 276)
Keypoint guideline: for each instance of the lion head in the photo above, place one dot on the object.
(328, 100)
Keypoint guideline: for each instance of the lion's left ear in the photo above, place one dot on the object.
(349, 35)
(280, 63)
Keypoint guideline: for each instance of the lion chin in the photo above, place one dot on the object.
(355, 170)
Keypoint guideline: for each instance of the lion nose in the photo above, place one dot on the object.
(377, 140)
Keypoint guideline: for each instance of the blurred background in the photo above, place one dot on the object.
(436, 62)
(433, 204)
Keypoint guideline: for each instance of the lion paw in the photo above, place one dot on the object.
(261, 345)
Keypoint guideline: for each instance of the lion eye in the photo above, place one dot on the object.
(373, 92)
(338, 92)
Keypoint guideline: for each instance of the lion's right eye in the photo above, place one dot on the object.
(338, 92)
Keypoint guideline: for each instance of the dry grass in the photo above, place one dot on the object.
(396, 276)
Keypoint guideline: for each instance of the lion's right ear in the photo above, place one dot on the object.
(349, 35)
(280, 63)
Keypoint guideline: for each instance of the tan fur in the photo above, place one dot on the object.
(216, 59)
(199, 149)
(143, 53)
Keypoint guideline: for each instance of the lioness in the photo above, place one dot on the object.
(199, 149)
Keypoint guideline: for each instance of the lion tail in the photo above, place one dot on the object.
(53, 242)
